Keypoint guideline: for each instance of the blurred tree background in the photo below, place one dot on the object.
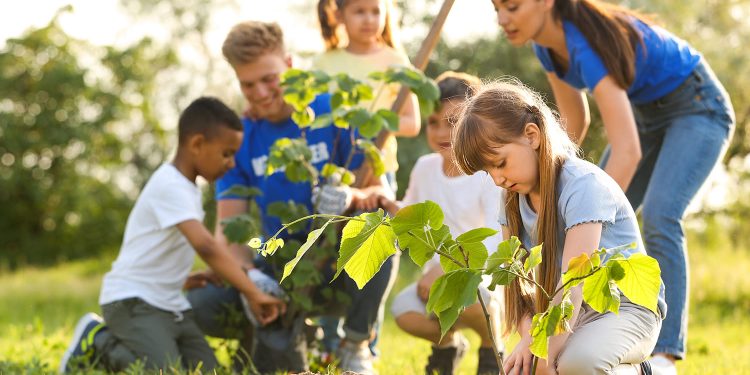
(83, 126)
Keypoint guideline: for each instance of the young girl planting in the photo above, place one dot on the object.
(572, 207)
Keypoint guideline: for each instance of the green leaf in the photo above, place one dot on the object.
(374, 156)
(288, 212)
(357, 117)
(544, 326)
(535, 257)
(376, 76)
(337, 99)
(616, 272)
(415, 225)
(242, 191)
(348, 178)
(371, 127)
(329, 169)
(418, 216)
(601, 294)
(539, 341)
(501, 276)
(303, 118)
(578, 267)
(391, 118)
(322, 121)
(241, 228)
(312, 237)
(475, 251)
(364, 92)
(365, 246)
(504, 253)
(255, 243)
(451, 293)
(476, 235)
(641, 281)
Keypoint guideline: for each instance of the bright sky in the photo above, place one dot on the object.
(104, 22)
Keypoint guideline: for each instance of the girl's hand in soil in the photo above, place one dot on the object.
(519, 362)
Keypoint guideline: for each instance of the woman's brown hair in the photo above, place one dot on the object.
(496, 115)
(329, 25)
(610, 30)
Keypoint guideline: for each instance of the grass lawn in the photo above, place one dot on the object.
(39, 307)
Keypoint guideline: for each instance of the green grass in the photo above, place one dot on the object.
(39, 307)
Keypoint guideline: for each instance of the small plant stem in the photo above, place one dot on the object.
(437, 250)
(492, 333)
(534, 362)
(352, 151)
(562, 287)
(336, 219)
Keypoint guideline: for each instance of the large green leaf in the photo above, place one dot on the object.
(476, 235)
(451, 293)
(475, 252)
(418, 216)
(641, 281)
(240, 228)
(601, 293)
(578, 267)
(312, 237)
(365, 247)
(422, 245)
(544, 326)
(242, 191)
(535, 257)
(504, 253)
(419, 228)
(373, 155)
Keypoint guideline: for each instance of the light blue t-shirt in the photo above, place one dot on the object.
(328, 144)
(666, 62)
(586, 194)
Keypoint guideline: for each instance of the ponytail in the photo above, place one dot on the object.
(610, 30)
(328, 23)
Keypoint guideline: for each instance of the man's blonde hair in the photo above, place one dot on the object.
(247, 41)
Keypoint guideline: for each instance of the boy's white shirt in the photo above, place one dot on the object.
(468, 202)
(155, 258)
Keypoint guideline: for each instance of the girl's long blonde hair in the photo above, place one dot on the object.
(496, 115)
(332, 35)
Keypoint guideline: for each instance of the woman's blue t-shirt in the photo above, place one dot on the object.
(660, 68)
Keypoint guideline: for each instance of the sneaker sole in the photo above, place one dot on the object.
(77, 332)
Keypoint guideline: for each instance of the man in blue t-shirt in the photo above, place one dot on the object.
(256, 52)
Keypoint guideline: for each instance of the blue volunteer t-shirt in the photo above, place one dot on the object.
(666, 63)
(250, 169)
(586, 194)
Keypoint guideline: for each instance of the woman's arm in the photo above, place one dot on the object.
(621, 130)
(573, 107)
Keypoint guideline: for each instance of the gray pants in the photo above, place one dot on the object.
(285, 349)
(160, 339)
(609, 343)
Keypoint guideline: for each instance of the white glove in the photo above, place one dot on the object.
(266, 284)
(332, 200)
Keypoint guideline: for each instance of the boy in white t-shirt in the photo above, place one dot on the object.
(147, 316)
(468, 202)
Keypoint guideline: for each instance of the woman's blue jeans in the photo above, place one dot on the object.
(683, 136)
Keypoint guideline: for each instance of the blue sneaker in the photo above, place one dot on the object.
(81, 348)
